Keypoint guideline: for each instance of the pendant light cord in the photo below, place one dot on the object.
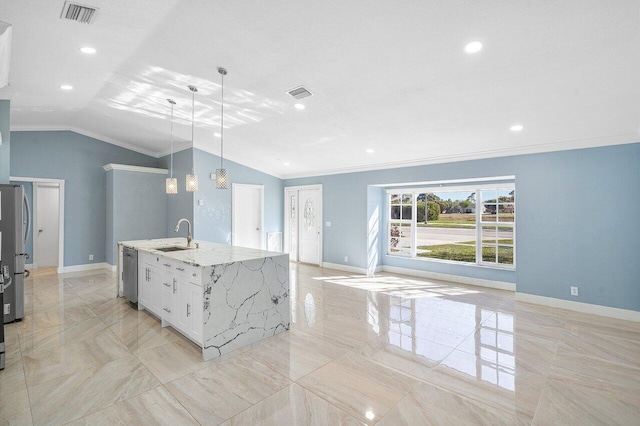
(222, 122)
(171, 140)
(193, 111)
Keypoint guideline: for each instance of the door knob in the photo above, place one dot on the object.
(40, 230)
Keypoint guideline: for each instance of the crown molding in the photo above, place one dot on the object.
(495, 153)
(140, 169)
(7, 93)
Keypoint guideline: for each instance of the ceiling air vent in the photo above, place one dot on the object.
(78, 12)
(300, 92)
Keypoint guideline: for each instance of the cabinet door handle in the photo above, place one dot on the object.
(174, 286)
(167, 264)
(167, 284)
(180, 269)
(188, 307)
(167, 310)
(147, 273)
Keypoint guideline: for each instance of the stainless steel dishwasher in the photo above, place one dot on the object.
(130, 274)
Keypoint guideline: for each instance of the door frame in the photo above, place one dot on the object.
(233, 211)
(60, 183)
(288, 190)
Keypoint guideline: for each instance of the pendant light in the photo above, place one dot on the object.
(192, 179)
(222, 177)
(172, 183)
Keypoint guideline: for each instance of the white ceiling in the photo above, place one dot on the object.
(386, 75)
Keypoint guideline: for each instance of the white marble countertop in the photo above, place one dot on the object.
(207, 254)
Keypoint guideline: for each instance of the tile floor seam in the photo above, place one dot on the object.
(375, 362)
(73, 324)
(251, 405)
(327, 401)
(26, 386)
(162, 385)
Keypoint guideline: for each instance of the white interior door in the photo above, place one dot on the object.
(247, 215)
(309, 221)
(46, 234)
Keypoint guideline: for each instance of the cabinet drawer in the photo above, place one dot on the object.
(195, 275)
(166, 264)
(148, 258)
(189, 272)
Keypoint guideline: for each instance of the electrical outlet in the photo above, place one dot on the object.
(574, 291)
(346, 258)
(90, 257)
(201, 202)
(327, 224)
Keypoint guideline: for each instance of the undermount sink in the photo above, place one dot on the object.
(171, 248)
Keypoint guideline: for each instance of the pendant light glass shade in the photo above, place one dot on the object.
(172, 186)
(192, 179)
(171, 182)
(222, 181)
(222, 177)
(192, 182)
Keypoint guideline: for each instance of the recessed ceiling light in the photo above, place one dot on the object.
(217, 135)
(370, 151)
(473, 47)
(88, 50)
(299, 106)
(66, 87)
(516, 128)
(287, 164)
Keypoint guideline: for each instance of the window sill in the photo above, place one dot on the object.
(455, 262)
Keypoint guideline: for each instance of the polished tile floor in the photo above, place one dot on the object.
(385, 350)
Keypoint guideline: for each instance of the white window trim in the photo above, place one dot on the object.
(479, 223)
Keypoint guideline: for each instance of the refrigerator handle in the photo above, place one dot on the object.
(26, 204)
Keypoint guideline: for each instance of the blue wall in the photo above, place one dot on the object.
(576, 221)
(213, 218)
(136, 208)
(181, 204)
(78, 160)
(6, 141)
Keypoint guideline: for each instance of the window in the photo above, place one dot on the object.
(401, 209)
(470, 224)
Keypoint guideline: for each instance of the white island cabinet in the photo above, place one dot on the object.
(221, 297)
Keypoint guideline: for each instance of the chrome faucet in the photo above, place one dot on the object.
(189, 236)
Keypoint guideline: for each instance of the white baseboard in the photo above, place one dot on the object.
(585, 308)
(29, 266)
(85, 267)
(347, 268)
(500, 285)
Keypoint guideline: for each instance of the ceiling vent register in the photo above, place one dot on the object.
(300, 92)
(78, 13)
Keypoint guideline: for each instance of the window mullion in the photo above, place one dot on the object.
(414, 227)
(478, 226)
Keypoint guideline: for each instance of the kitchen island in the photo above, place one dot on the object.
(221, 297)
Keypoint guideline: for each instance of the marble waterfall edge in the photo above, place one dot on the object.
(244, 302)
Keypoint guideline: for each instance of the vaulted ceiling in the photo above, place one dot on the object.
(387, 76)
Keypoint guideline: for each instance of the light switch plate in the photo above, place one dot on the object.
(201, 202)
(7, 309)
(327, 223)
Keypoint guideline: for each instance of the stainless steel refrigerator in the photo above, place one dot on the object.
(14, 229)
